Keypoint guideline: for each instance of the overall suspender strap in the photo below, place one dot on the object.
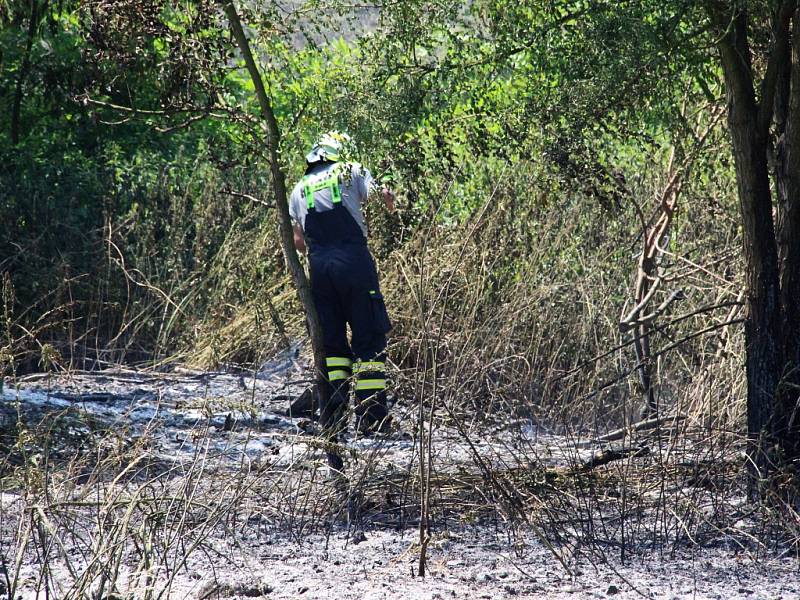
(332, 182)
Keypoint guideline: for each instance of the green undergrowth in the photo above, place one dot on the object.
(149, 239)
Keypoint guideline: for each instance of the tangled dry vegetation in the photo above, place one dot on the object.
(515, 393)
(134, 491)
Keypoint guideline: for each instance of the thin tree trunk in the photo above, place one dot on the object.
(788, 236)
(647, 280)
(762, 307)
(284, 220)
(16, 107)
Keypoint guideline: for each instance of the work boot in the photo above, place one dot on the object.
(335, 464)
(333, 415)
(368, 426)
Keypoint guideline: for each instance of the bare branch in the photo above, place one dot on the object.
(251, 198)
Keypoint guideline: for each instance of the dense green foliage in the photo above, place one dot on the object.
(134, 234)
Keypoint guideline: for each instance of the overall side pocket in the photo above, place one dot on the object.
(380, 316)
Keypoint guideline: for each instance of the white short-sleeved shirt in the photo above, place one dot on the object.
(356, 186)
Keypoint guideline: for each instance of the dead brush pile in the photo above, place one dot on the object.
(507, 326)
(518, 312)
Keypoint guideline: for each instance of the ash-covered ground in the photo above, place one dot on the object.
(183, 484)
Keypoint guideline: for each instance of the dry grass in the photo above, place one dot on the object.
(506, 345)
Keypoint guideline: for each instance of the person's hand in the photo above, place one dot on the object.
(388, 198)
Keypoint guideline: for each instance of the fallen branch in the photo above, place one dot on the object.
(610, 454)
(621, 433)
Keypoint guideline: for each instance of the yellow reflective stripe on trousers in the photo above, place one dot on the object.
(337, 375)
(338, 361)
(369, 366)
(371, 384)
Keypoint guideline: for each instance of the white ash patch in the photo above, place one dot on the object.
(234, 425)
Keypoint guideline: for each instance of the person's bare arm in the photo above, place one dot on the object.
(299, 240)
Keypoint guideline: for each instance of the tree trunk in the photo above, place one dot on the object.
(279, 189)
(787, 178)
(762, 308)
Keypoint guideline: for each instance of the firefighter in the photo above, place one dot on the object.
(326, 208)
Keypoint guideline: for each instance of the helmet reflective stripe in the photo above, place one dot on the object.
(331, 182)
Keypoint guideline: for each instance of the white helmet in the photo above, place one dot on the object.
(330, 146)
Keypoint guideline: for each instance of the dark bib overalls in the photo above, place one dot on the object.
(344, 284)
